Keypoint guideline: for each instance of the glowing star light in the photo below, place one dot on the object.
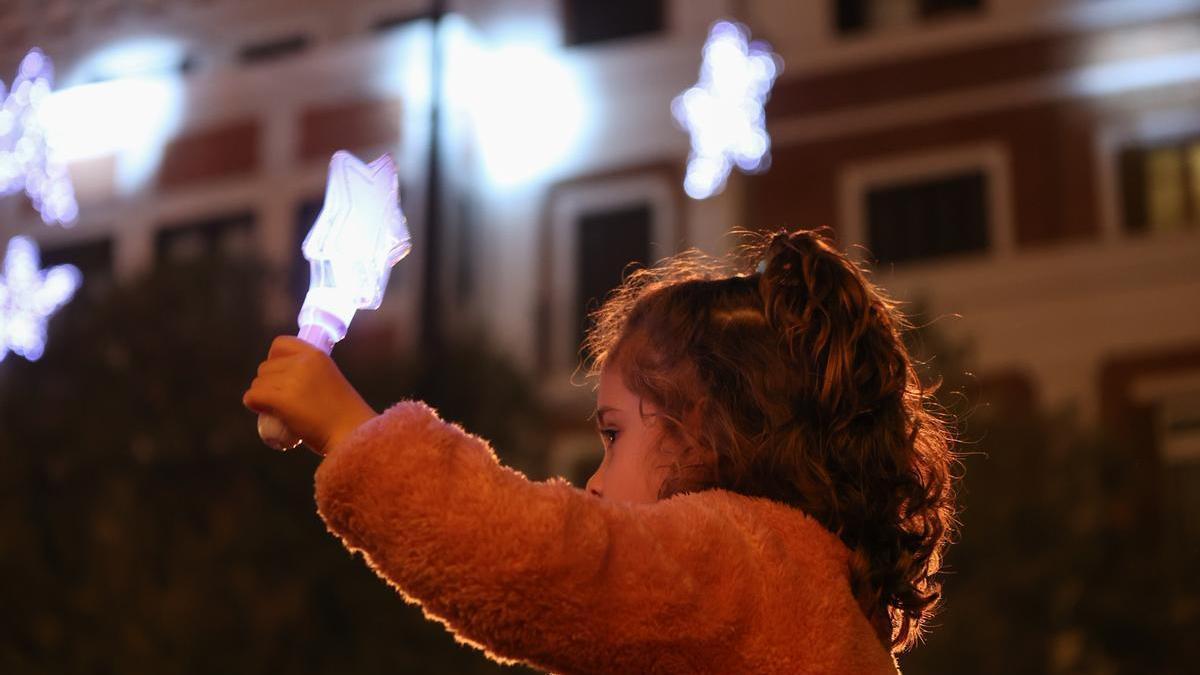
(28, 296)
(723, 113)
(359, 235)
(27, 161)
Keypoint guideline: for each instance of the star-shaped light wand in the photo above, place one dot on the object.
(357, 238)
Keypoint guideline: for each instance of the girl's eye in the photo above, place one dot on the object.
(609, 436)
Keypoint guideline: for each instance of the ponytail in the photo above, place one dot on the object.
(825, 310)
(860, 394)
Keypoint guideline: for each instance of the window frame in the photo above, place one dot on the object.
(207, 225)
(1158, 391)
(566, 205)
(51, 248)
(921, 16)
(992, 158)
(570, 31)
(1149, 128)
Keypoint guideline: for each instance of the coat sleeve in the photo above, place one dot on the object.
(540, 572)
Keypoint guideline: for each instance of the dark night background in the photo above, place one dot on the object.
(1022, 174)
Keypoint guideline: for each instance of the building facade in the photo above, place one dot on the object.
(1026, 170)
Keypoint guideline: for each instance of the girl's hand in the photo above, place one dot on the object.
(302, 386)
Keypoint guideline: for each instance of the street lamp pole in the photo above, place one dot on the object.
(431, 328)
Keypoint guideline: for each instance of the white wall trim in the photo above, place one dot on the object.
(856, 179)
(997, 23)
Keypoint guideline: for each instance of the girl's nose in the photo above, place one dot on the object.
(595, 484)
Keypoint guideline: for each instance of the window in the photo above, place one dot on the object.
(1180, 428)
(1160, 186)
(588, 21)
(1172, 398)
(271, 50)
(1179, 446)
(230, 235)
(595, 227)
(298, 275)
(94, 260)
(852, 16)
(928, 218)
(934, 8)
(934, 204)
(609, 241)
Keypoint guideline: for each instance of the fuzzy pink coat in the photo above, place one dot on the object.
(546, 574)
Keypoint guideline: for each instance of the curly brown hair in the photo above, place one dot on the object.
(790, 380)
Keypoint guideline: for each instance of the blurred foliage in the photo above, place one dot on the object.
(144, 528)
(1057, 568)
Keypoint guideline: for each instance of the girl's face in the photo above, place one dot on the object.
(628, 428)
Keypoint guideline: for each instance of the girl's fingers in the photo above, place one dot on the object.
(253, 399)
(287, 345)
(261, 396)
(273, 365)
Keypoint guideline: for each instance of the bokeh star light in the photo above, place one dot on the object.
(27, 160)
(723, 112)
(29, 296)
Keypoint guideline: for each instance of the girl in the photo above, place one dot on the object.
(775, 495)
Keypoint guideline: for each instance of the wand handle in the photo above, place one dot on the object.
(271, 429)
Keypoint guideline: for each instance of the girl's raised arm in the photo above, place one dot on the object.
(541, 572)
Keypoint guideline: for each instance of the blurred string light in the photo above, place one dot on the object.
(144, 56)
(29, 296)
(724, 113)
(527, 108)
(123, 101)
(27, 161)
